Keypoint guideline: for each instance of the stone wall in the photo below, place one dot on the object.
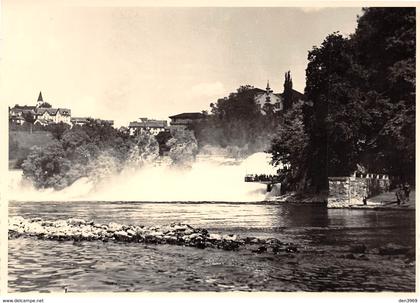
(347, 191)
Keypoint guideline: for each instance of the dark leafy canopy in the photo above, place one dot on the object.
(360, 103)
(361, 98)
(76, 153)
(334, 115)
(57, 129)
(45, 105)
(386, 49)
(289, 148)
(237, 120)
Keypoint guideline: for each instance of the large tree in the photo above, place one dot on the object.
(360, 100)
(385, 48)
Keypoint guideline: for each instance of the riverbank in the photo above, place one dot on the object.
(382, 201)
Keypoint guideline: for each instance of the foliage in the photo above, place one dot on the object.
(289, 148)
(47, 166)
(77, 152)
(145, 150)
(237, 121)
(95, 150)
(162, 138)
(184, 148)
(29, 119)
(360, 107)
(45, 105)
(57, 129)
(287, 91)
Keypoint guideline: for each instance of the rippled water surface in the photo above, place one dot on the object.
(324, 237)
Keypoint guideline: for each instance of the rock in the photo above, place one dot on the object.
(250, 240)
(114, 227)
(215, 237)
(122, 236)
(131, 232)
(260, 250)
(292, 249)
(177, 234)
(228, 245)
(276, 249)
(230, 237)
(76, 222)
(273, 241)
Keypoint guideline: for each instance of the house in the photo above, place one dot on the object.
(276, 101)
(41, 112)
(84, 120)
(52, 115)
(79, 121)
(148, 125)
(185, 120)
(17, 113)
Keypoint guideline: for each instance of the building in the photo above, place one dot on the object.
(276, 101)
(184, 120)
(148, 125)
(45, 116)
(18, 112)
(267, 97)
(80, 121)
(42, 113)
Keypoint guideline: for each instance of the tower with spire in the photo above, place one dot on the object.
(40, 100)
(268, 92)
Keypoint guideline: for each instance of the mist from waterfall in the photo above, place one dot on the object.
(210, 178)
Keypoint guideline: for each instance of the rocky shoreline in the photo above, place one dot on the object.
(174, 234)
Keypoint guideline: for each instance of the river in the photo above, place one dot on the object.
(323, 263)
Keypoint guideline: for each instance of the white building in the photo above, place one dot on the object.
(148, 125)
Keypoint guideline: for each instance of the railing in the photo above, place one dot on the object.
(262, 178)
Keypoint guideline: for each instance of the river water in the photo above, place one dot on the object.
(324, 237)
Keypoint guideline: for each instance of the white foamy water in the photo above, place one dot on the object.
(209, 179)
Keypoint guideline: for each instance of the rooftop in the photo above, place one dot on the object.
(188, 116)
(149, 123)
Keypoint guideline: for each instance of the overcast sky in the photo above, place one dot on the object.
(122, 63)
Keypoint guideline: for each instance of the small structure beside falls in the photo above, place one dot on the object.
(354, 190)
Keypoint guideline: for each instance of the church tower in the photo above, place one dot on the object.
(40, 100)
(268, 91)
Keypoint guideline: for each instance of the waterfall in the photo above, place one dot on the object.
(210, 178)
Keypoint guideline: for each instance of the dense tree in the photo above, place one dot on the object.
(359, 111)
(289, 148)
(333, 113)
(57, 129)
(287, 91)
(237, 121)
(162, 138)
(29, 119)
(45, 105)
(47, 166)
(385, 48)
(184, 148)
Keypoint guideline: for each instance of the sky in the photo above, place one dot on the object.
(127, 62)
